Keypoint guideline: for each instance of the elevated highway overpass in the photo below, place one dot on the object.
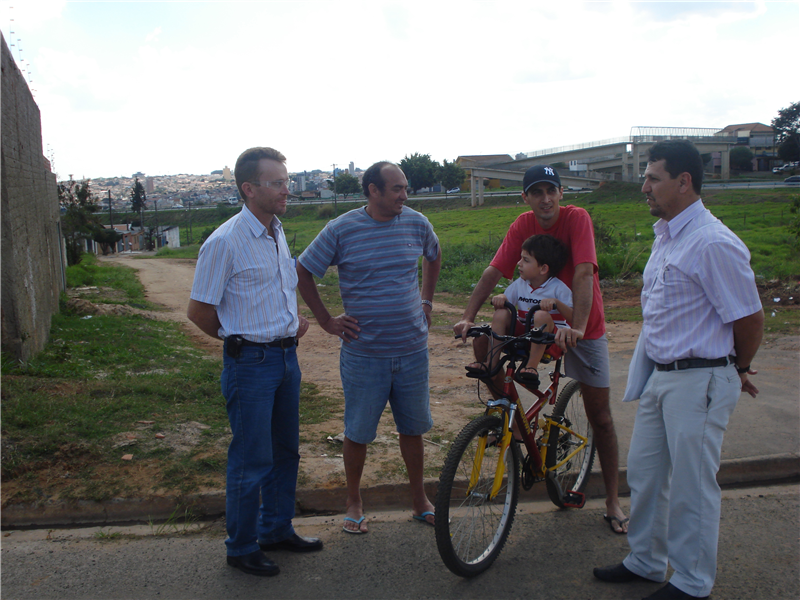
(618, 159)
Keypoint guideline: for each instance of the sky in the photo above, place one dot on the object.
(184, 87)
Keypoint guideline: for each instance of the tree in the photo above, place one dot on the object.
(79, 221)
(451, 175)
(794, 223)
(344, 184)
(742, 158)
(787, 132)
(107, 238)
(138, 200)
(789, 149)
(420, 170)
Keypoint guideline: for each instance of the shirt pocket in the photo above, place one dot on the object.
(289, 271)
(676, 286)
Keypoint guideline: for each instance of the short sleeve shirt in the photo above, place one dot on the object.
(697, 282)
(520, 293)
(250, 279)
(575, 230)
(378, 277)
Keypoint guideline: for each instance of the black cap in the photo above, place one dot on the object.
(540, 173)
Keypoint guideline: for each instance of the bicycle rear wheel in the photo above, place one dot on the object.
(574, 474)
(471, 528)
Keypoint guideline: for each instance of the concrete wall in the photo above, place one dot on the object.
(32, 262)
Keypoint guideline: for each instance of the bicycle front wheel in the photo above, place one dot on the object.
(471, 527)
(573, 475)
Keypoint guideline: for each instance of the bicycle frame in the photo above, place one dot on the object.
(527, 423)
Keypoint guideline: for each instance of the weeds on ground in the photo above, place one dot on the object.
(180, 520)
(115, 284)
(109, 386)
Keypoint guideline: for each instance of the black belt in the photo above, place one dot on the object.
(696, 363)
(284, 343)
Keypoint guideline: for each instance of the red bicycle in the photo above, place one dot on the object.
(479, 484)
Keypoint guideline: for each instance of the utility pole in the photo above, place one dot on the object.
(110, 214)
(155, 204)
(335, 207)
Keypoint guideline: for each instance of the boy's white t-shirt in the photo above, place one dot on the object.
(520, 294)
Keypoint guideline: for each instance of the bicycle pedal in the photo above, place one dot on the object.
(574, 499)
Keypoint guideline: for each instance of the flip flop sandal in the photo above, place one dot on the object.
(422, 518)
(620, 522)
(357, 522)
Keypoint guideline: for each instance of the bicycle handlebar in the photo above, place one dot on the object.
(535, 336)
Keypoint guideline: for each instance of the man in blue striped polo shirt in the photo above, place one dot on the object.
(244, 293)
(384, 330)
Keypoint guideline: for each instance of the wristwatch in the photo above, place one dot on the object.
(741, 370)
(429, 303)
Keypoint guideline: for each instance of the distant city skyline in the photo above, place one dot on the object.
(185, 87)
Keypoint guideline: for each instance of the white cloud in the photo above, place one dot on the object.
(153, 35)
(187, 87)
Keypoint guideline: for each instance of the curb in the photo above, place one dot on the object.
(740, 472)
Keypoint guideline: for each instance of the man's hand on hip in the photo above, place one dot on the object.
(302, 327)
(343, 326)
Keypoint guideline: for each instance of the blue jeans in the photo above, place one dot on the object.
(369, 381)
(262, 391)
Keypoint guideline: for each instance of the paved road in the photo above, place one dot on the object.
(550, 555)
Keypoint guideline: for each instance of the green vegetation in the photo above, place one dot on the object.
(89, 273)
(103, 387)
(623, 229)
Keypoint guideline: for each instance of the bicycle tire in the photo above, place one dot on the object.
(573, 475)
(471, 530)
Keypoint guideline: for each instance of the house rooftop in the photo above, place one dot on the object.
(751, 127)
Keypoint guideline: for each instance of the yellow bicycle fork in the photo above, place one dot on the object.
(504, 445)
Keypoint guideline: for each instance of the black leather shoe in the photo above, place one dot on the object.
(295, 543)
(670, 592)
(617, 574)
(254, 563)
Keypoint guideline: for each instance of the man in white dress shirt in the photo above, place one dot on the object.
(702, 325)
(244, 293)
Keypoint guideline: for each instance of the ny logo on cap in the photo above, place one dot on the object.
(549, 171)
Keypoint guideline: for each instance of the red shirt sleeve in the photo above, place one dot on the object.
(581, 237)
(508, 254)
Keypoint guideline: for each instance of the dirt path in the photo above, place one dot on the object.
(453, 396)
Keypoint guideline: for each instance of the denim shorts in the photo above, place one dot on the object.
(588, 363)
(369, 381)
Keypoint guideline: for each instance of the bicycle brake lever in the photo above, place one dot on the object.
(476, 330)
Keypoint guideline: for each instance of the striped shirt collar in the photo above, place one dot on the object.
(683, 218)
(257, 228)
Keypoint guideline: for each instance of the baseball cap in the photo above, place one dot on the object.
(540, 173)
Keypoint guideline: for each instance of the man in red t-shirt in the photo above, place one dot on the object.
(587, 361)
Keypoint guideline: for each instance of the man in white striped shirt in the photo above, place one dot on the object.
(244, 293)
(702, 325)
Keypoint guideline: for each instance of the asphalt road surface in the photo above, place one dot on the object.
(550, 555)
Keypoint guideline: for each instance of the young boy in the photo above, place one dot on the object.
(543, 257)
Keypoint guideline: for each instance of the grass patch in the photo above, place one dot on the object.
(623, 313)
(182, 252)
(89, 272)
(103, 387)
(471, 235)
(316, 408)
(781, 320)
